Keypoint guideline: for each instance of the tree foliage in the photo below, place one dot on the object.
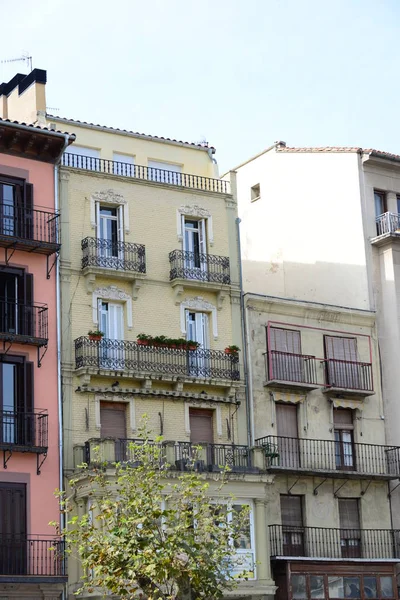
(153, 531)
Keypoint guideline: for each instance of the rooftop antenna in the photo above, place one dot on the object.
(26, 58)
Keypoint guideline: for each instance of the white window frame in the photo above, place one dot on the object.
(197, 304)
(112, 293)
(194, 212)
(108, 197)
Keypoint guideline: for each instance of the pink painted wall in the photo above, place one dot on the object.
(42, 506)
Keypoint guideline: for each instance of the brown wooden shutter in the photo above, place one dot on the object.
(285, 340)
(28, 212)
(113, 420)
(348, 513)
(13, 509)
(291, 511)
(28, 316)
(27, 421)
(343, 418)
(341, 348)
(286, 420)
(201, 428)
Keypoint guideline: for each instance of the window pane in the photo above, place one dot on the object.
(351, 587)
(387, 587)
(336, 589)
(244, 540)
(317, 586)
(299, 587)
(370, 589)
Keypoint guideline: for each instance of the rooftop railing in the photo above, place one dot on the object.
(108, 254)
(200, 267)
(112, 167)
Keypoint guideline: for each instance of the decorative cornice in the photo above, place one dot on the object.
(109, 196)
(194, 210)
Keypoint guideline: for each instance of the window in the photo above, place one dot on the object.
(109, 221)
(16, 300)
(245, 545)
(164, 172)
(350, 534)
(255, 192)
(82, 158)
(113, 425)
(16, 202)
(13, 529)
(344, 449)
(201, 425)
(285, 361)
(287, 431)
(16, 401)
(349, 583)
(292, 525)
(398, 203)
(194, 246)
(123, 165)
(111, 323)
(343, 369)
(380, 203)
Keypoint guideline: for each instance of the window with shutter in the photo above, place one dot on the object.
(164, 172)
(16, 301)
(201, 425)
(287, 430)
(13, 529)
(113, 420)
(292, 525)
(286, 361)
(344, 443)
(350, 534)
(16, 401)
(343, 366)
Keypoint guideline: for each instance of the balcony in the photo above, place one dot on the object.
(24, 323)
(180, 456)
(387, 226)
(32, 559)
(330, 458)
(99, 255)
(28, 229)
(192, 269)
(301, 371)
(284, 369)
(334, 543)
(150, 174)
(131, 359)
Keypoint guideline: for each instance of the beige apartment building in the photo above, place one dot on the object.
(319, 237)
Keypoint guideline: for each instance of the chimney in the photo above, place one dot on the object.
(23, 98)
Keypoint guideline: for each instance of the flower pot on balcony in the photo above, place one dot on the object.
(143, 343)
(95, 338)
(232, 350)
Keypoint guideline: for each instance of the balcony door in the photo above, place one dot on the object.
(113, 425)
(197, 331)
(350, 532)
(292, 525)
(201, 431)
(111, 323)
(110, 236)
(343, 368)
(16, 299)
(13, 529)
(194, 247)
(286, 362)
(17, 425)
(344, 444)
(288, 434)
(16, 203)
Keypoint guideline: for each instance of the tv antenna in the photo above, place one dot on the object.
(26, 58)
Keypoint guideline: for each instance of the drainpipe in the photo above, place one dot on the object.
(244, 340)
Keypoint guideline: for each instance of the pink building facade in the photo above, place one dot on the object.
(31, 558)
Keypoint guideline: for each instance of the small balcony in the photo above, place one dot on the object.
(150, 174)
(118, 256)
(330, 458)
(24, 323)
(192, 268)
(28, 229)
(284, 369)
(178, 456)
(33, 559)
(351, 377)
(24, 431)
(131, 359)
(334, 543)
(387, 226)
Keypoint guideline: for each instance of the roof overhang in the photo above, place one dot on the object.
(32, 142)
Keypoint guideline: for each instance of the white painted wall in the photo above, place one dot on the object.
(304, 237)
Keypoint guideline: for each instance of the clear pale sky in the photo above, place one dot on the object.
(239, 73)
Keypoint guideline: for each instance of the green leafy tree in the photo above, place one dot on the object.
(154, 532)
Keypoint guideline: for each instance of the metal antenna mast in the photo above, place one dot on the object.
(26, 58)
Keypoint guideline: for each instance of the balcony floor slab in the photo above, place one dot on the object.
(294, 385)
(347, 392)
(331, 473)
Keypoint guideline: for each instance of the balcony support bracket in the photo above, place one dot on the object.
(9, 253)
(39, 462)
(50, 267)
(6, 457)
(363, 492)
(40, 355)
(292, 486)
(393, 489)
(6, 346)
(318, 486)
(335, 493)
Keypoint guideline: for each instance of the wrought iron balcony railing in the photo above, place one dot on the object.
(336, 543)
(388, 223)
(330, 457)
(24, 323)
(24, 431)
(345, 374)
(123, 355)
(112, 167)
(183, 456)
(119, 256)
(200, 267)
(285, 366)
(32, 556)
(28, 229)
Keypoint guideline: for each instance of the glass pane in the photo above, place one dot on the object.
(8, 397)
(244, 539)
(299, 591)
(387, 587)
(370, 589)
(317, 586)
(336, 589)
(351, 587)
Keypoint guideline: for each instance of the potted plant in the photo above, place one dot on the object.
(143, 339)
(161, 341)
(96, 335)
(234, 350)
(192, 345)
